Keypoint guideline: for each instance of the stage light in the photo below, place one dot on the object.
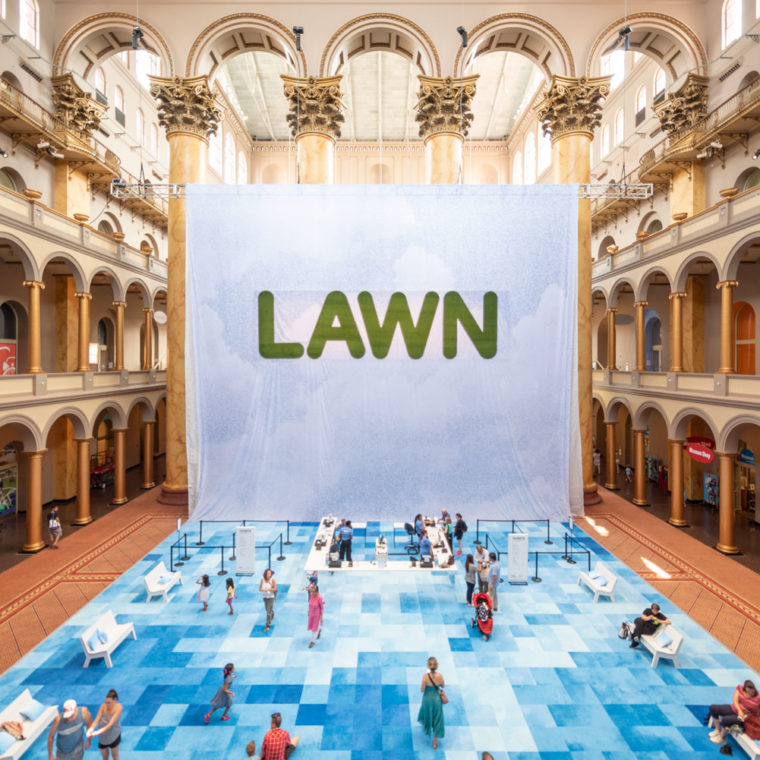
(118, 182)
(463, 34)
(137, 37)
(756, 155)
(298, 31)
(43, 145)
(53, 153)
(3, 153)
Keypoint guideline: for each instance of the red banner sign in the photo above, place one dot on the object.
(7, 358)
(699, 452)
(701, 439)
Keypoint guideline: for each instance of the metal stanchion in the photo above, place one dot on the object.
(477, 532)
(186, 556)
(536, 578)
(171, 558)
(232, 556)
(222, 571)
(282, 556)
(269, 556)
(288, 542)
(569, 559)
(548, 537)
(200, 540)
(178, 563)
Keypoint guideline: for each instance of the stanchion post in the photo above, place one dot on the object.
(548, 536)
(186, 556)
(222, 571)
(477, 532)
(282, 556)
(200, 541)
(536, 578)
(288, 542)
(269, 556)
(171, 558)
(570, 560)
(232, 556)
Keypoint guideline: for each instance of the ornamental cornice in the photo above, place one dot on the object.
(186, 104)
(74, 107)
(683, 108)
(572, 105)
(445, 105)
(315, 105)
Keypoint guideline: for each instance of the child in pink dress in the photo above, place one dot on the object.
(316, 611)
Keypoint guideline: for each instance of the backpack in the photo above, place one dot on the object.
(463, 526)
(624, 631)
(752, 726)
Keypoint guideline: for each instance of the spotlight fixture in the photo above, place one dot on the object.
(463, 34)
(756, 155)
(43, 145)
(3, 153)
(118, 183)
(53, 153)
(298, 31)
(717, 144)
(137, 37)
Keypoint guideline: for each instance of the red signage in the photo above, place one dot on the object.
(701, 439)
(699, 452)
(7, 358)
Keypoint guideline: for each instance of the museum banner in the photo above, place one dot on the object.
(378, 351)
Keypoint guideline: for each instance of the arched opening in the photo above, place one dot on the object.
(653, 341)
(744, 342)
(607, 243)
(599, 329)
(742, 439)
(748, 179)
(12, 180)
(105, 344)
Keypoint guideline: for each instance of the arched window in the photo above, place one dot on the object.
(530, 159)
(752, 179)
(544, 152)
(215, 152)
(613, 65)
(654, 226)
(140, 126)
(641, 104)
(29, 21)
(732, 21)
(6, 180)
(100, 87)
(517, 169)
(154, 139)
(105, 227)
(660, 82)
(242, 169)
(119, 106)
(605, 140)
(619, 126)
(229, 159)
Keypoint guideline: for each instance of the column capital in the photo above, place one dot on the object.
(84, 440)
(572, 105)
(679, 294)
(612, 309)
(641, 304)
(31, 454)
(86, 296)
(315, 105)
(33, 284)
(186, 104)
(119, 430)
(147, 310)
(726, 284)
(639, 430)
(77, 109)
(682, 109)
(119, 304)
(444, 105)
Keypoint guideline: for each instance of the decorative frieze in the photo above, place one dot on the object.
(186, 104)
(74, 107)
(315, 105)
(682, 109)
(445, 105)
(572, 105)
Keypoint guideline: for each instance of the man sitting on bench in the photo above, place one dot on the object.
(647, 624)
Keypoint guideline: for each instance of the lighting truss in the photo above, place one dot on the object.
(170, 191)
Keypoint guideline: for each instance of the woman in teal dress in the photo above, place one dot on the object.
(431, 709)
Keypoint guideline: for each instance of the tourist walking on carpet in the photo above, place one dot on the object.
(224, 696)
(494, 579)
(230, 594)
(481, 558)
(68, 731)
(107, 726)
(203, 591)
(470, 574)
(316, 614)
(54, 527)
(268, 588)
(431, 709)
(460, 528)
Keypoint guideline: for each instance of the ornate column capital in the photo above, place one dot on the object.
(315, 105)
(612, 310)
(572, 105)
(683, 108)
(33, 284)
(147, 310)
(672, 296)
(727, 284)
(186, 104)
(119, 304)
(445, 105)
(76, 108)
(641, 304)
(87, 296)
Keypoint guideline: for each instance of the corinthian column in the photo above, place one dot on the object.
(315, 116)
(641, 355)
(444, 113)
(189, 113)
(611, 339)
(83, 343)
(726, 325)
(676, 331)
(570, 112)
(34, 350)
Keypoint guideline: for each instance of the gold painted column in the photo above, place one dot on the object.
(611, 467)
(676, 331)
(570, 111)
(83, 352)
(640, 469)
(118, 359)
(726, 326)
(119, 464)
(35, 340)
(315, 118)
(83, 481)
(147, 464)
(444, 113)
(727, 513)
(34, 540)
(641, 354)
(189, 113)
(675, 480)
(147, 358)
(611, 336)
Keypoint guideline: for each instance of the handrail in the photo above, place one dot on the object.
(514, 523)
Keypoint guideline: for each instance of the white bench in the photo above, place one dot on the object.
(593, 580)
(750, 746)
(153, 581)
(667, 651)
(31, 728)
(114, 632)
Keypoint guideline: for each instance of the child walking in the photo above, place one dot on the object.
(224, 696)
(230, 595)
(203, 591)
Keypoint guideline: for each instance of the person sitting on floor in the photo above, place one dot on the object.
(746, 702)
(277, 744)
(647, 623)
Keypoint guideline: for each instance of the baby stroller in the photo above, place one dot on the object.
(483, 614)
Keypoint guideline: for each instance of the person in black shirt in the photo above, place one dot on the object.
(647, 623)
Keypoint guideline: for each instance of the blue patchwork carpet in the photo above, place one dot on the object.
(554, 682)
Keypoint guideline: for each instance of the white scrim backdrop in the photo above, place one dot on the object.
(371, 438)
